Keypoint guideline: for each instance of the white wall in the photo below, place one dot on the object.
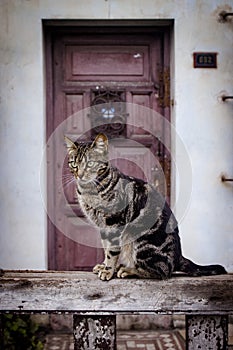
(203, 122)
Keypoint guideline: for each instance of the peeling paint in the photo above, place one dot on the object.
(207, 332)
(94, 332)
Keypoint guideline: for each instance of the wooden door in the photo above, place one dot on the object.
(108, 68)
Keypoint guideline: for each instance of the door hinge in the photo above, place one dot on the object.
(164, 87)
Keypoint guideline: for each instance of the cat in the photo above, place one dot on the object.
(136, 223)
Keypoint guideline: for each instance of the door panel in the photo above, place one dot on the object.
(74, 103)
(107, 62)
(132, 159)
(122, 65)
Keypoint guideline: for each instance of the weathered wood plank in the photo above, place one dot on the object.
(84, 292)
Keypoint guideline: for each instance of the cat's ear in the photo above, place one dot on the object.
(72, 148)
(101, 143)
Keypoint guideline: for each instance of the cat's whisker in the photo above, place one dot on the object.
(66, 181)
(66, 177)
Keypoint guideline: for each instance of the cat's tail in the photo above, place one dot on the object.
(192, 269)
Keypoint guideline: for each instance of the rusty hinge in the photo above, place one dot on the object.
(164, 87)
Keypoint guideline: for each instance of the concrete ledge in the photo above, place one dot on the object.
(83, 292)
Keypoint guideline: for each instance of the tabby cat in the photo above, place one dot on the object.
(135, 222)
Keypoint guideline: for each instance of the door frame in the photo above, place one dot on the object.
(53, 28)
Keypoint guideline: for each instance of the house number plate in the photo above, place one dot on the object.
(205, 59)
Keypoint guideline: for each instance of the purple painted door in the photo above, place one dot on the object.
(86, 66)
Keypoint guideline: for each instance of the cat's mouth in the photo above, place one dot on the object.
(83, 181)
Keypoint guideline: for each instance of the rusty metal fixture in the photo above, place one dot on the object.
(223, 16)
(224, 179)
(224, 98)
(164, 87)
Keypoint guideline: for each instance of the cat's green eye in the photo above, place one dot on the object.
(72, 165)
(90, 164)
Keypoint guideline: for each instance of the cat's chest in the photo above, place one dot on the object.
(99, 203)
(95, 209)
(101, 207)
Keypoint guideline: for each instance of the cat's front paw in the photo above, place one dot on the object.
(97, 268)
(106, 274)
(124, 272)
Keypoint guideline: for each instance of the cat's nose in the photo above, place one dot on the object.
(80, 174)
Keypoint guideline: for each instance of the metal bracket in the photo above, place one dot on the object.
(224, 179)
(223, 16)
(224, 98)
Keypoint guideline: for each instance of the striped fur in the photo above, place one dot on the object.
(138, 229)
